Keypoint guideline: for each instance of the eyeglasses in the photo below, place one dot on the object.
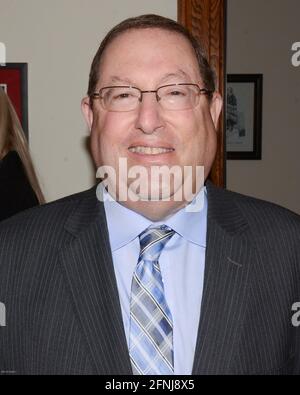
(174, 97)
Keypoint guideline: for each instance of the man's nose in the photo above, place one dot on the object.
(149, 114)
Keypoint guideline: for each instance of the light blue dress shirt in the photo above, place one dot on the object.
(182, 264)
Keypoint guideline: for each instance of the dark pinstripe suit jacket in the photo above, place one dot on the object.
(63, 313)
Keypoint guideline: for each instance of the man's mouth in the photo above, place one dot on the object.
(150, 150)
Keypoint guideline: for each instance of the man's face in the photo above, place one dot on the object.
(148, 59)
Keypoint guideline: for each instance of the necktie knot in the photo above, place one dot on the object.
(152, 242)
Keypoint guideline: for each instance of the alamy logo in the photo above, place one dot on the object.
(2, 54)
(296, 56)
(296, 316)
(2, 314)
(155, 183)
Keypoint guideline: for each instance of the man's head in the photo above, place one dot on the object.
(149, 52)
(151, 21)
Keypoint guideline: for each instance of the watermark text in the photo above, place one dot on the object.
(2, 314)
(2, 54)
(152, 184)
(296, 316)
(296, 56)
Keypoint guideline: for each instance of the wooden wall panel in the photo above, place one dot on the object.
(206, 20)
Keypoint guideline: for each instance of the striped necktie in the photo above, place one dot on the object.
(151, 327)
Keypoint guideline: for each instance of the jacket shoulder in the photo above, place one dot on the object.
(49, 218)
(265, 216)
(233, 209)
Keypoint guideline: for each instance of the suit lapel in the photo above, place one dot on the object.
(228, 257)
(88, 268)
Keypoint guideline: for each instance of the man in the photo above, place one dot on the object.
(147, 284)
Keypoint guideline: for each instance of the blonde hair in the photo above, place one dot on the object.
(12, 138)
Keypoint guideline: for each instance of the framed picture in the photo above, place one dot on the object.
(13, 80)
(244, 116)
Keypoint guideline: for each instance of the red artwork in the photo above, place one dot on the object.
(13, 79)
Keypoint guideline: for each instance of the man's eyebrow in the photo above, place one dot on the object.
(123, 80)
(120, 80)
(178, 74)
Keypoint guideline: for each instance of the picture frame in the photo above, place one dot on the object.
(244, 116)
(14, 81)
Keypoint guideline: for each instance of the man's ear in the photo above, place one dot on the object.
(216, 106)
(87, 111)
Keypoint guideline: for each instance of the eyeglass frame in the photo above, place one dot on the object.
(97, 95)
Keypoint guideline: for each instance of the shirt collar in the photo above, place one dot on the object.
(124, 225)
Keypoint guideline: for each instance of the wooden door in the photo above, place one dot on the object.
(206, 20)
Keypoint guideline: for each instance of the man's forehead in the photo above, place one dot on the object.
(122, 52)
(159, 35)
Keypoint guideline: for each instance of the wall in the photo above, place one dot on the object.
(260, 37)
(58, 39)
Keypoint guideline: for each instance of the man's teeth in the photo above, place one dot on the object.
(150, 150)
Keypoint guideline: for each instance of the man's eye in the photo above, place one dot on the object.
(176, 93)
(121, 96)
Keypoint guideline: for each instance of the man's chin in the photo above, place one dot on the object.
(159, 194)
